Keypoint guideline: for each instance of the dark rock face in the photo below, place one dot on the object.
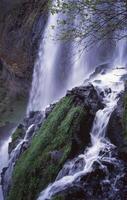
(88, 96)
(30, 125)
(98, 185)
(21, 25)
(115, 130)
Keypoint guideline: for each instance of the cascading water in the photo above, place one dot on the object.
(51, 79)
(111, 86)
(121, 45)
(5, 138)
(55, 69)
(120, 54)
(13, 157)
(28, 129)
(43, 93)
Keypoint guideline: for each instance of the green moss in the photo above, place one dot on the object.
(59, 197)
(18, 134)
(36, 168)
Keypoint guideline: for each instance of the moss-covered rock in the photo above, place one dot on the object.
(36, 168)
(64, 134)
(59, 197)
(17, 136)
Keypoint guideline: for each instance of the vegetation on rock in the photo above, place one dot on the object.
(36, 168)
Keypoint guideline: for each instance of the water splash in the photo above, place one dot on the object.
(111, 86)
(5, 139)
(7, 178)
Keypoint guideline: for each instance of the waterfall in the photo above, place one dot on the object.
(43, 70)
(7, 178)
(101, 148)
(5, 138)
(59, 68)
(121, 44)
(56, 68)
(120, 53)
(51, 79)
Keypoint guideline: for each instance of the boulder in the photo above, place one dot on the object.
(117, 127)
(63, 135)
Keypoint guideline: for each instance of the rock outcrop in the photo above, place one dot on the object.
(99, 183)
(117, 127)
(22, 23)
(21, 140)
(63, 135)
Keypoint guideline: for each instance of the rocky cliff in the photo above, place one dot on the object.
(22, 23)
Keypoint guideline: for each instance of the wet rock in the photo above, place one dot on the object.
(115, 130)
(63, 135)
(98, 185)
(101, 69)
(21, 141)
(49, 110)
(33, 118)
(17, 136)
(30, 125)
(74, 192)
(70, 167)
(88, 95)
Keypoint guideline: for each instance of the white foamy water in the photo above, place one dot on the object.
(43, 70)
(111, 86)
(5, 139)
(11, 160)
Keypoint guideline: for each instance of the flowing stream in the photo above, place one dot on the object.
(13, 157)
(5, 138)
(111, 86)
